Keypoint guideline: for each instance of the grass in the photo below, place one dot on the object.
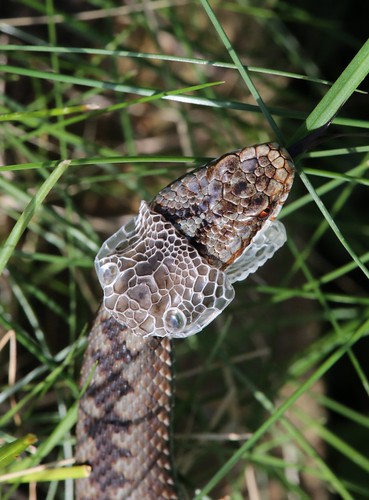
(103, 108)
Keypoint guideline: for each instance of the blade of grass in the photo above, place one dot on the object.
(326, 109)
(295, 433)
(46, 474)
(242, 70)
(333, 440)
(364, 329)
(46, 113)
(105, 161)
(337, 95)
(163, 57)
(332, 223)
(9, 451)
(343, 410)
(89, 82)
(29, 212)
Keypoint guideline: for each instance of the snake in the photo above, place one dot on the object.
(167, 274)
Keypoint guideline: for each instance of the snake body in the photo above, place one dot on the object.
(167, 274)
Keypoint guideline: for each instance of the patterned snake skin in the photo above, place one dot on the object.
(168, 273)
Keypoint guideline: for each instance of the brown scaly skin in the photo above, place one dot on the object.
(124, 419)
(123, 428)
(221, 207)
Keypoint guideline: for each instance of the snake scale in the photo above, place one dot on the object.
(166, 274)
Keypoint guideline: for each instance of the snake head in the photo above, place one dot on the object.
(156, 283)
(169, 271)
(222, 206)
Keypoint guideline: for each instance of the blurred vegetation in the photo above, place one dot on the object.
(84, 81)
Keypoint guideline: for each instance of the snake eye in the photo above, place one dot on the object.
(108, 273)
(264, 213)
(174, 320)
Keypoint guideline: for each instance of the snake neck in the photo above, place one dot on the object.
(124, 419)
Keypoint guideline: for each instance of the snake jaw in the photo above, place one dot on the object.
(263, 246)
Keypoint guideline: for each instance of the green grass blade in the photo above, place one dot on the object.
(280, 411)
(242, 70)
(29, 212)
(338, 94)
(9, 452)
